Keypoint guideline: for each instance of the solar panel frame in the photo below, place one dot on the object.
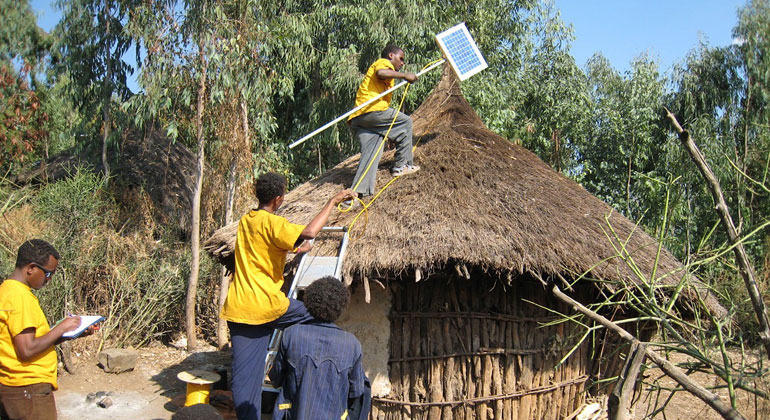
(461, 51)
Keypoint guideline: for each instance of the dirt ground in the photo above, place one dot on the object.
(685, 406)
(152, 391)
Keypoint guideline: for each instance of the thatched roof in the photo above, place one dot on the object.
(478, 200)
(164, 168)
(148, 158)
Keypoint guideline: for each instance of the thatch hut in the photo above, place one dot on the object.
(458, 328)
(148, 160)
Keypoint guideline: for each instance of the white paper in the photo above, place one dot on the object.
(85, 322)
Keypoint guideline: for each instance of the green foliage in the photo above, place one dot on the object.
(20, 37)
(753, 28)
(92, 44)
(626, 136)
(64, 120)
(76, 203)
(720, 97)
(553, 103)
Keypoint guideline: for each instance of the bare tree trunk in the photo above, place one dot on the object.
(106, 120)
(224, 282)
(744, 265)
(192, 284)
(711, 399)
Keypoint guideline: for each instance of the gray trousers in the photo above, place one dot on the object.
(370, 128)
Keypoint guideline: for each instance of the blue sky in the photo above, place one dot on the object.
(46, 12)
(619, 29)
(667, 30)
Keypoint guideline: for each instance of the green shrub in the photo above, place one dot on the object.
(133, 277)
(76, 203)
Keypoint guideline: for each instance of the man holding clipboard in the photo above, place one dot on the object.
(28, 359)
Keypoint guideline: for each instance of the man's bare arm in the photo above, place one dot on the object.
(392, 74)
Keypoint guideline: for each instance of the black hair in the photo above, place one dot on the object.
(268, 186)
(326, 298)
(390, 49)
(35, 251)
(197, 412)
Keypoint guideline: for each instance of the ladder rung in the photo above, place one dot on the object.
(334, 229)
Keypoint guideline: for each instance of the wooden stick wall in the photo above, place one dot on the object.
(474, 349)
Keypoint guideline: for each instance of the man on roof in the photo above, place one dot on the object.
(371, 123)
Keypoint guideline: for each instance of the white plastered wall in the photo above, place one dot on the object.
(370, 324)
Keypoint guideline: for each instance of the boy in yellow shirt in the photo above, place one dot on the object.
(255, 304)
(372, 122)
(27, 356)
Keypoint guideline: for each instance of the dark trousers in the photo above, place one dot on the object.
(30, 402)
(250, 344)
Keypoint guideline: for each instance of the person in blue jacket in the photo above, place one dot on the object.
(318, 365)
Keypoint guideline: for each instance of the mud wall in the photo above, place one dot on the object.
(369, 322)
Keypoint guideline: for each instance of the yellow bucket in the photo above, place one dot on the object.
(198, 385)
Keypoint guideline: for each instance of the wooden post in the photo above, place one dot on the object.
(620, 399)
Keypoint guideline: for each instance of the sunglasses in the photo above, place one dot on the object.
(48, 273)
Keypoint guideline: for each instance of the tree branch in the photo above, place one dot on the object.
(711, 399)
(744, 265)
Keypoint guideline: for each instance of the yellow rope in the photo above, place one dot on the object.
(365, 206)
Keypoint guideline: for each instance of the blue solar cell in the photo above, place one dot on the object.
(461, 51)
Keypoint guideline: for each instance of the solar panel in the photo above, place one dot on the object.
(459, 48)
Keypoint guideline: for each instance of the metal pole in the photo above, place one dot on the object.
(363, 105)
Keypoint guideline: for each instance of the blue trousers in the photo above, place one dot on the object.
(250, 344)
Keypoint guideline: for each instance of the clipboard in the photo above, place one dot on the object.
(85, 322)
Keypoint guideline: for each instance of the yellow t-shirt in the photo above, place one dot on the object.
(21, 310)
(372, 86)
(255, 295)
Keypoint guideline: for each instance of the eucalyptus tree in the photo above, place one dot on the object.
(205, 82)
(21, 38)
(753, 50)
(721, 97)
(173, 83)
(240, 110)
(624, 144)
(706, 100)
(552, 102)
(322, 48)
(92, 44)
